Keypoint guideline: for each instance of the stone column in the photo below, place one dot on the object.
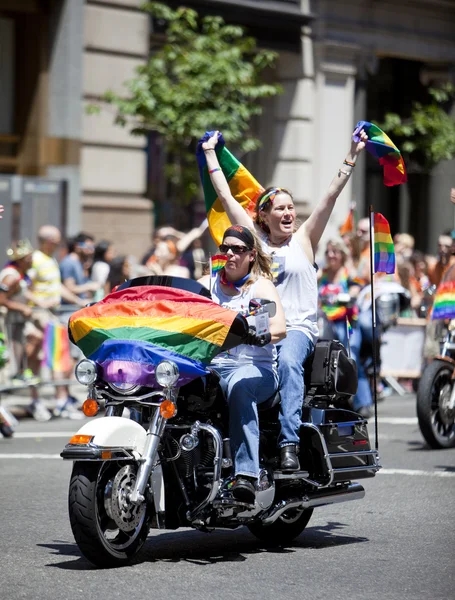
(62, 145)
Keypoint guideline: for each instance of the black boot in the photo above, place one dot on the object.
(289, 458)
(244, 490)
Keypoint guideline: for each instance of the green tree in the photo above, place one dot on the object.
(206, 75)
(428, 135)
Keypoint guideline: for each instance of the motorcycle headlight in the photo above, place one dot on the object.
(124, 388)
(166, 373)
(86, 371)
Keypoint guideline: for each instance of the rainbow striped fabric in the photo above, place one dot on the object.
(133, 329)
(384, 251)
(242, 184)
(444, 301)
(56, 348)
(382, 148)
(217, 263)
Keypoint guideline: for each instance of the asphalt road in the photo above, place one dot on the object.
(396, 543)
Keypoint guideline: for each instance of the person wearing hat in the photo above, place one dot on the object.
(249, 371)
(24, 337)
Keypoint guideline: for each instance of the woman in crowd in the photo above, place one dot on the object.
(249, 371)
(334, 280)
(102, 258)
(120, 271)
(293, 250)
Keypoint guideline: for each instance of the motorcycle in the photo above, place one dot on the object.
(168, 464)
(436, 391)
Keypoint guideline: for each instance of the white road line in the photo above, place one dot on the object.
(396, 421)
(417, 473)
(43, 434)
(30, 456)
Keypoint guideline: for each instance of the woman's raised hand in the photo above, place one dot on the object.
(211, 142)
(357, 147)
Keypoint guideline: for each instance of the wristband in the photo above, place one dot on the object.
(214, 170)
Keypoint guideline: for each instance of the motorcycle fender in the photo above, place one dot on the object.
(106, 434)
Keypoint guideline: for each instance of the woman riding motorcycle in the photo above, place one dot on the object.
(249, 372)
(337, 292)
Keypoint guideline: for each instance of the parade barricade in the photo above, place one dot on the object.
(402, 349)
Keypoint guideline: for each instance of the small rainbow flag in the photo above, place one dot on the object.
(349, 327)
(242, 184)
(350, 224)
(217, 263)
(381, 147)
(56, 348)
(131, 330)
(384, 251)
(444, 301)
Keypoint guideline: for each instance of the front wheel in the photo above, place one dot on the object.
(436, 418)
(108, 529)
(285, 529)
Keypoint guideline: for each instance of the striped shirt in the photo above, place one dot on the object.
(45, 275)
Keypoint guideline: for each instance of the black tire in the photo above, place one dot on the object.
(285, 529)
(98, 536)
(436, 425)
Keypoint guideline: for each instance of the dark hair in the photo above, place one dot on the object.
(116, 277)
(80, 238)
(100, 250)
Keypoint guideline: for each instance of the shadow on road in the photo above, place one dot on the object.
(202, 549)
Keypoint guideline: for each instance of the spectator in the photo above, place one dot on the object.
(104, 253)
(404, 245)
(437, 266)
(165, 261)
(24, 337)
(120, 271)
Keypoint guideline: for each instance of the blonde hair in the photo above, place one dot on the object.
(339, 244)
(262, 264)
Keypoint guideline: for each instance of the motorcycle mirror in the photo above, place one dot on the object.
(268, 306)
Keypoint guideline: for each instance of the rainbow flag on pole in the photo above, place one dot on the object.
(242, 184)
(56, 348)
(133, 329)
(381, 147)
(384, 251)
(444, 301)
(217, 263)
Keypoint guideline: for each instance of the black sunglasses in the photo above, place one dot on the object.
(224, 248)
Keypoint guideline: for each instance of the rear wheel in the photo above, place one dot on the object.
(108, 529)
(436, 418)
(285, 529)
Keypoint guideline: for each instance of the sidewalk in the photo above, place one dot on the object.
(18, 401)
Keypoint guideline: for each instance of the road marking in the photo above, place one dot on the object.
(43, 434)
(396, 421)
(28, 456)
(417, 472)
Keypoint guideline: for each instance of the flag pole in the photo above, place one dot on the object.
(373, 316)
(210, 274)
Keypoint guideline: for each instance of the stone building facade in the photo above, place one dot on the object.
(340, 61)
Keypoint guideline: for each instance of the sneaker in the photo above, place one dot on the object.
(25, 377)
(40, 412)
(366, 412)
(68, 411)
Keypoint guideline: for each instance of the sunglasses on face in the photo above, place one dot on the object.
(224, 248)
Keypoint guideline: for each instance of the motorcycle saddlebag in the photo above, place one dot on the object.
(331, 370)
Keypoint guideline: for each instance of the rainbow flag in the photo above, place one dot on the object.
(133, 329)
(350, 224)
(217, 263)
(242, 184)
(384, 251)
(382, 148)
(444, 301)
(56, 348)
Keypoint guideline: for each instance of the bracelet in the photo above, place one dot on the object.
(344, 172)
(209, 150)
(349, 164)
(213, 170)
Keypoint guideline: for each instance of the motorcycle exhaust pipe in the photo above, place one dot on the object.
(354, 491)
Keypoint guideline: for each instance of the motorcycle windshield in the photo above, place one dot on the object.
(444, 300)
(150, 319)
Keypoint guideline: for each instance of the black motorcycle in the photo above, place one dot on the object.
(169, 465)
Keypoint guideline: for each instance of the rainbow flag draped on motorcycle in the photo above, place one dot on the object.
(129, 332)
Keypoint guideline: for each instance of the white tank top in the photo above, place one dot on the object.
(244, 354)
(296, 283)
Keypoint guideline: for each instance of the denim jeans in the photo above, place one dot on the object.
(362, 331)
(292, 354)
(245, 387)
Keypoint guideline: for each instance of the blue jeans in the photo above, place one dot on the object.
(292, 354)
(361, 331)
(245, 387)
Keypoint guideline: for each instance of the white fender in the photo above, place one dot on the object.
(114, 432)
